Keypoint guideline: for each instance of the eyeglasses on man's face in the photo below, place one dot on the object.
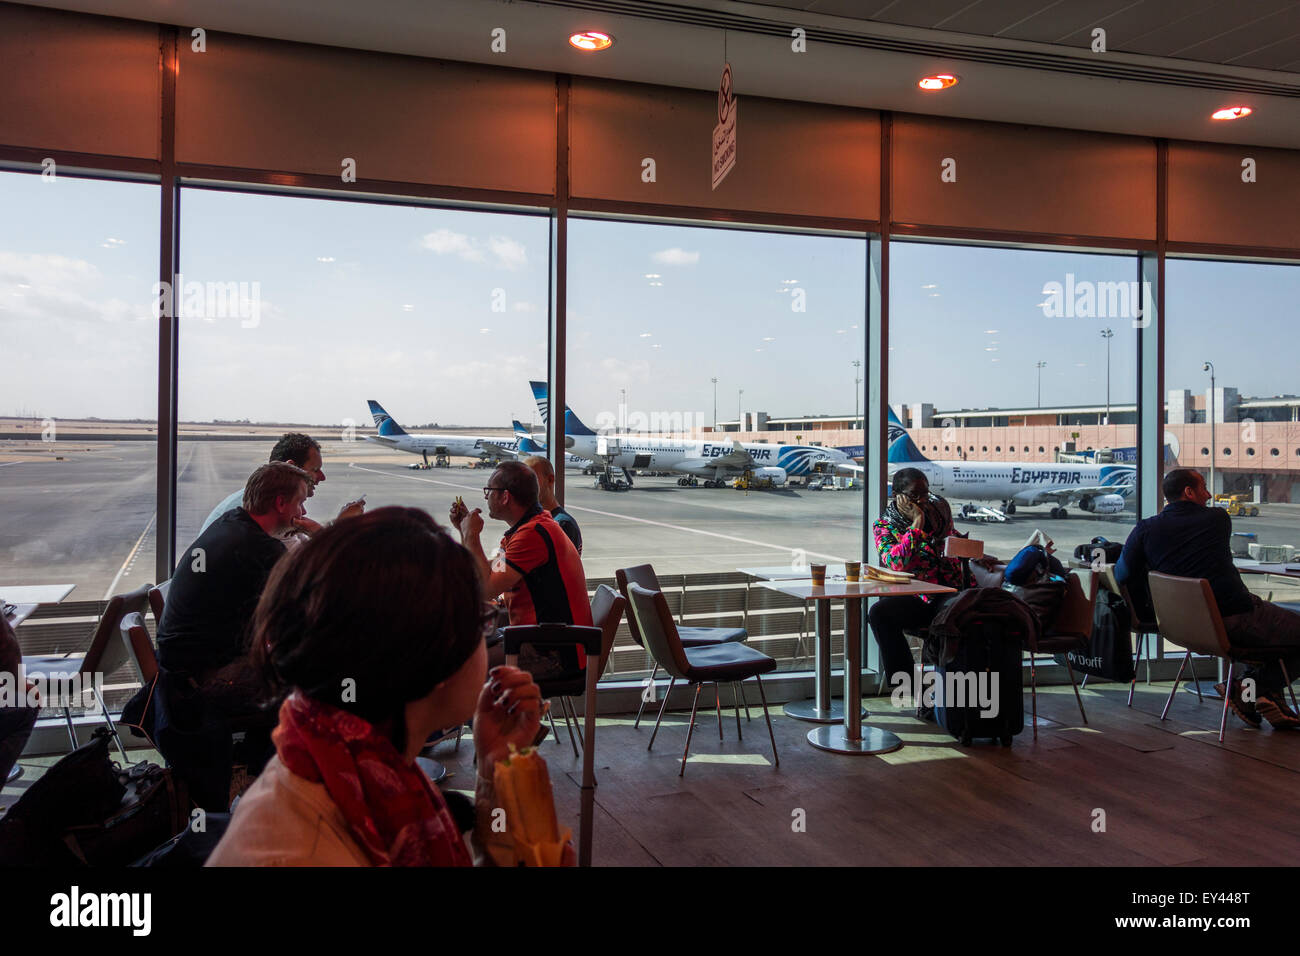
(488, 489)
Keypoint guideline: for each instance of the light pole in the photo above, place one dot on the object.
(739, 415)
(1107, 334)
(857, 380)
(1209, 367)
(714, 380)
(1040, 366)
(622, 410)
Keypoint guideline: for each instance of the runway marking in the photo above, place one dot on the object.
(130, 558)
(610, 514)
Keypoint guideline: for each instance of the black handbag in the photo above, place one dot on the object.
(1110, 648)
(87, 811)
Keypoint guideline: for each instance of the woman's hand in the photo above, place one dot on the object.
(509, 711)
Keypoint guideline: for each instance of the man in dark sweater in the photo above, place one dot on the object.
(203, 635)
(1190, 540)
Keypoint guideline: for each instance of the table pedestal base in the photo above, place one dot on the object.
(808, 710)
(835, 739)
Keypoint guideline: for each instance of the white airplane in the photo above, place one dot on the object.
(394, 436)
(527, 445)
(714, 461)
(1098, 489)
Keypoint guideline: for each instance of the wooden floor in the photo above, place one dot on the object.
(1171, 794)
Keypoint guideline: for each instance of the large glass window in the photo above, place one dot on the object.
(1232, 405)
(302, 312)
(683, 341)
(1013, 376)
(78, 399)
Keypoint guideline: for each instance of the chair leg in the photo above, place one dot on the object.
(1083, 684)
(1191, 667)
(554, 733)
(72, 731)
(1227, 687)
(1077, 698)
(1287, 677)
(637, 723)
(735, 698)
(717, 702)
(771, 736)
(744, 700)
(459, 733)
(1033, 691)
(1137, 659)
(662, 707)
(568, 725)
(577, 724)
(112, 728)
(691, 729)
(1172, 690)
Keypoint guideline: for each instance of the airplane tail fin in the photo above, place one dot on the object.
(520, 429)
(901, 447)
(384, 421)
(529, 447)
(540, 396)
(572, 426)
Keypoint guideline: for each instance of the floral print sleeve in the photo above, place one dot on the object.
(913, 550)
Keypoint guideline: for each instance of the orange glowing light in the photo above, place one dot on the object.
(1231, 113)
(939, 81)
(591, 41)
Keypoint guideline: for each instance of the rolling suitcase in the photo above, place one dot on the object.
(980, 692)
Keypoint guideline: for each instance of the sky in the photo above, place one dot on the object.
(441, 315)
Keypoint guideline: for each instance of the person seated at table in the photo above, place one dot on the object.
(1189, 540)
(910, 536)
(304, 452)
(373, 635)
(204, 668)
(545, 473)
(538, 571)
(16, 722)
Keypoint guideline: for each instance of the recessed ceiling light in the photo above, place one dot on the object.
(1231, 113)
(591, 41)
(938, 81)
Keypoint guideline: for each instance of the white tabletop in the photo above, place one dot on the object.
(784, 572)
(23, 612)
(1259, 567)
(853, 589)
(35, 593)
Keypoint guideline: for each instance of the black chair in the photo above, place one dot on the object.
(1071, 630)
(559, 636)
(644, 576)
(729, 662)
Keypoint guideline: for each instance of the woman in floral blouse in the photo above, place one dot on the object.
(911, 536)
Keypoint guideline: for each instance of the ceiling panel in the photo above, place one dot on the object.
(1201, 27)
(990, 17)
(1248, 38)
(1075, 20)
(1282, 55)
(918, 13)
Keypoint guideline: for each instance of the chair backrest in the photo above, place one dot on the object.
(138, 647)
(106, 654)
(1075, 613)
(644, 575)
(607, 607)
(650, 608)
(158, 600)
(1188, 614)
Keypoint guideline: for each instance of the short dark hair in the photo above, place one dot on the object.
(270, 482)
(294, 447)
(1178, 481)
(518, 479)
(905, 479)
(371, 613)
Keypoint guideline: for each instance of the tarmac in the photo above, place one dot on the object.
(89, 518)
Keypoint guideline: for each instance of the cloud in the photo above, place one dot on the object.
(504, 252)
(676, 257)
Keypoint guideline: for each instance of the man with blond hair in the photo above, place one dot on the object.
(546, 498)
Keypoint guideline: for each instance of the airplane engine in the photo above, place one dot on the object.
(1103, 504)
(772, 473)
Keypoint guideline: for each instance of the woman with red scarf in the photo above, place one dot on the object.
(373, 633)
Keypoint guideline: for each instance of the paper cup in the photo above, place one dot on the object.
(818, 572)
(852, 570)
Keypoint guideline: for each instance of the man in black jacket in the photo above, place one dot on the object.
(206, 675)
(1190, 540)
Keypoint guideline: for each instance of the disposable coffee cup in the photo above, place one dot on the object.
(852, 570)
(818, 572)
